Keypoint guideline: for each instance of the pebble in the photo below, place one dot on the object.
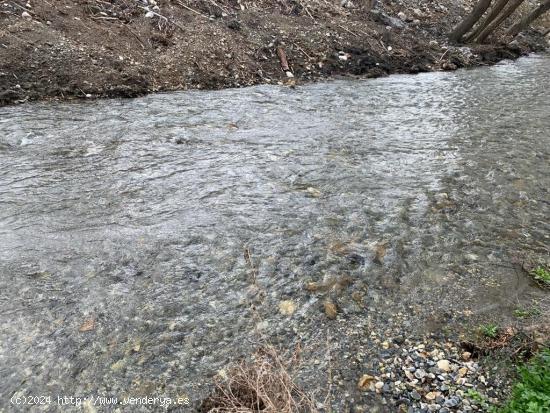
(330, 309)
(26, 15)
(444, 365)
(419, 374)
(287, 307)
(415, 395)
(429, 377)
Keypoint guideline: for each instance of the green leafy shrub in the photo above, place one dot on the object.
(532, 393)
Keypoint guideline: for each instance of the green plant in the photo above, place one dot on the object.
(490, 330)
(477, 398)
(525, 313)
(542, 275)
(474, 395)
(531, 394)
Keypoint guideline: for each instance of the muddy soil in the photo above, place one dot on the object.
(127, 48)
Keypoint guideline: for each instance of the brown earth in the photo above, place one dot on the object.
(96, 48)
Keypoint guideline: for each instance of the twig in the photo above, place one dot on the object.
(302, 50)
(248, 259)
(166, 18)
(329, 379)
(282, 59)
(443, 55)
(219, 6)
(135, 35)
(191, 10)
(309, 13)
(348, 30)
(19, 6)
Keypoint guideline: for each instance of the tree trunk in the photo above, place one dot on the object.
(513, 5)
(530, 18)
(493, 14)
(470, 20)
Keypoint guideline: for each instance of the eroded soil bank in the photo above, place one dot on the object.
(66, 49)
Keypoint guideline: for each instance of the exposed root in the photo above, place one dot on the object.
(512, 343)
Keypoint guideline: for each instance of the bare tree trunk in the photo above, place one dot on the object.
(493, 14)
(513, 5)
(530, 18)
(466, 24)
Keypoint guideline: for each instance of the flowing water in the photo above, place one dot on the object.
(146, 243)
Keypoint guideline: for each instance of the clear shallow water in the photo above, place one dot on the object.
(137, 213)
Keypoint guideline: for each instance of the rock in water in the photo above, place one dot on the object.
(330, 309)
(287, 307)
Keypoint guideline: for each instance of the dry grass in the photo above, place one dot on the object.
(264, 384)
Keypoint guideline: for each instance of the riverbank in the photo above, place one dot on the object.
(125, 49)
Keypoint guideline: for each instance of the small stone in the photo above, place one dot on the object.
(119, 365)
(430, 396)
(357, 297)
(287, 307)
(415, 395)
(313, 192)
(26, 15)
(419, 374)
(330, 309)
(452, 402)
(444, 365)
(366, 382)
(87, 325)
(462, 371)
(466, 356)
(402, 16)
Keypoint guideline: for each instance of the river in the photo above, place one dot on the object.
(146, 243)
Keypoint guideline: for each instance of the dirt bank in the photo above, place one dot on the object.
(124, 48)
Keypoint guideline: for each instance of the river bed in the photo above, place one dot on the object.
(147, 243)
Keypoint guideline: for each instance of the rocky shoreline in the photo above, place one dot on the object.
(91, 50)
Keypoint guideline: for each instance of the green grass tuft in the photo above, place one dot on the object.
(490, 330)
(541, 274)
(526, 313)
